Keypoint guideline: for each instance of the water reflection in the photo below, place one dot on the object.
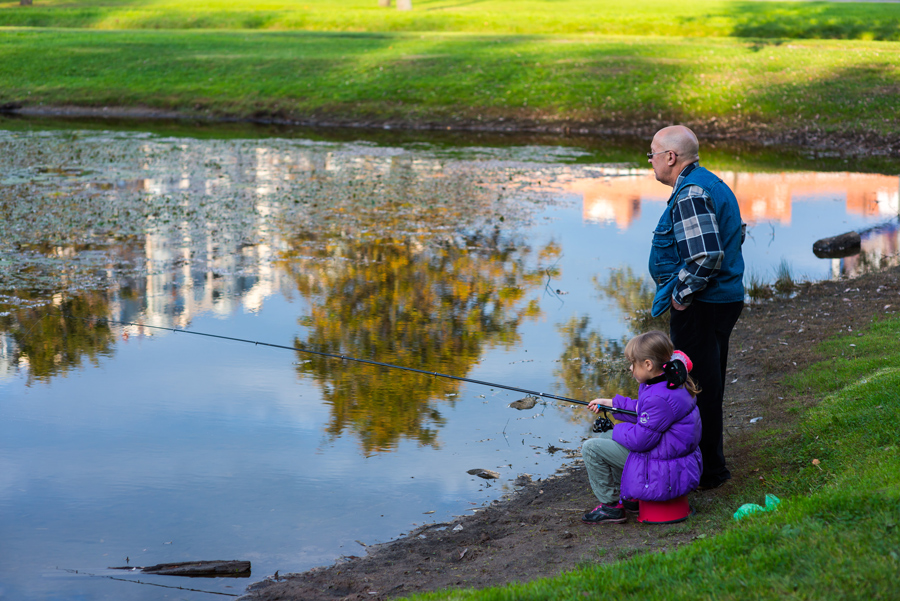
(879, 249)
(633, 294)
(594, 364)
(159, 230)
(44, 341)
(513, 265)
(396, 301)
(170, 228)
(616, 195)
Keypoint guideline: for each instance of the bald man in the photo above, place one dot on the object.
(698, 267)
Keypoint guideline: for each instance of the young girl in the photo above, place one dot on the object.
(654, 456)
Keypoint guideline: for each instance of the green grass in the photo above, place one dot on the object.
(836, 534)
(853, 358)
(832, 87)
(862, 21)
(731, 66)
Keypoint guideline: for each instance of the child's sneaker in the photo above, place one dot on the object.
(631, 505)
(605, 514)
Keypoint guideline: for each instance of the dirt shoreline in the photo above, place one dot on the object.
(537, 533)
(856, 144)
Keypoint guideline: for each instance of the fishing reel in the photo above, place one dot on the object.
(602, 424)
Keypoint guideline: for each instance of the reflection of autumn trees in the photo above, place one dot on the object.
(54, 339)
(592, 366)
(634, 295)
(392, 300)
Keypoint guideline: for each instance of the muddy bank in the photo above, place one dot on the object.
(537, 533)
(851, 144)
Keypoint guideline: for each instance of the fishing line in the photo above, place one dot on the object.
(367, 361)
(181, 588)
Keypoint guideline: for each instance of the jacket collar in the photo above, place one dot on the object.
(684, 173)
(656, 380)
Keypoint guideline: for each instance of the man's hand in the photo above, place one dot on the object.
(677, 306)
(596, 403)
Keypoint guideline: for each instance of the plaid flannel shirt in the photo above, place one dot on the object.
(697, 235)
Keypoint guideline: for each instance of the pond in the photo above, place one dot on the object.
(513, 261)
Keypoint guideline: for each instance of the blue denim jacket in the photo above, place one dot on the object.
(665, 260)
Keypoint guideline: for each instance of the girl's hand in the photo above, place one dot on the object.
(596, 403)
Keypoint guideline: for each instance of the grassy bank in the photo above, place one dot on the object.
(836, 534)
(824, 20)
(715, 84)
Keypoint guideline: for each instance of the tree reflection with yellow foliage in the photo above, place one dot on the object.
(394, 300)
(592, 366)
(634, 296)
(55, 339)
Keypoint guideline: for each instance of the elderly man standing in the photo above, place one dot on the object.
(697, 264)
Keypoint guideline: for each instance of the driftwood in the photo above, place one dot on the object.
(195, 568)
(837, 246)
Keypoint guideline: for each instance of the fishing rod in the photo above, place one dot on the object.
(368, 361)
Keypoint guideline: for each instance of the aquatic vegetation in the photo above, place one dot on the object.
(756, 287)
(785, 281)
(82, 211)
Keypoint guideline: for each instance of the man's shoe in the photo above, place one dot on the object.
(631, 505)
(712, 483)
(605, 514)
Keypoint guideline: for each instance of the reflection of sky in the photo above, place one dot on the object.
(784, 216)
(218, 448)
(813, 218)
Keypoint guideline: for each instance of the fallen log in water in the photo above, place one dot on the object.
(837, 247)
(195, 568)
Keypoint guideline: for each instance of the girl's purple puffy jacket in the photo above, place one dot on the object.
(665, 460)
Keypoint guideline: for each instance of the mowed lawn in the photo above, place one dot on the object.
(716, 18)
(828, 85)
(741, 66)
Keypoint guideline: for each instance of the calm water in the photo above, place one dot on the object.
(518, 263)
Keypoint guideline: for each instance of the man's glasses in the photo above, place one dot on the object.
(650, 155)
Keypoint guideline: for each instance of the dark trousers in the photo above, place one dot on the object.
(702, 332)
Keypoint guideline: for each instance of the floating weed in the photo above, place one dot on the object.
(84, 210)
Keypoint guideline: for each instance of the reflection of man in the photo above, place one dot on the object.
(697, 263)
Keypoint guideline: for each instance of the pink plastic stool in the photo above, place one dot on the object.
(665, 512)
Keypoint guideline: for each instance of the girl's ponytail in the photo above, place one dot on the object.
(658, 348)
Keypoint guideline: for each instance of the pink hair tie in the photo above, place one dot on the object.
(676, 370)
(680, 356)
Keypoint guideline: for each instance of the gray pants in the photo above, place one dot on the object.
(604, 459)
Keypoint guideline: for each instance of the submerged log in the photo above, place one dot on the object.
(526, 403)
(838, 246)
(195, 568)
(482, 473)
